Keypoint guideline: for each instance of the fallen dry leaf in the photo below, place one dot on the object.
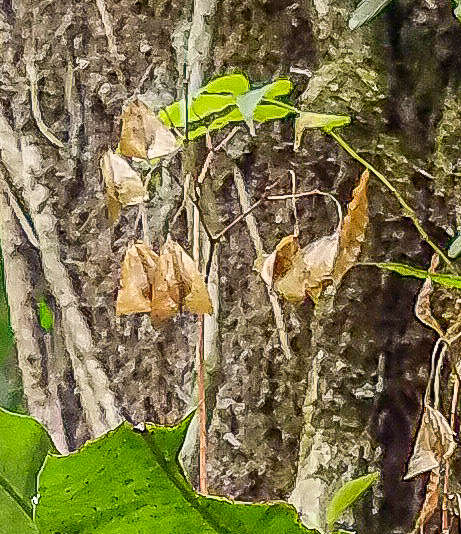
(134, 295)
(124, 186)
(353, 230)
(431, 501)
(143, 134)
(280, 261)
(304, 272)
(423, 309)
(434, 443)
(177, 285)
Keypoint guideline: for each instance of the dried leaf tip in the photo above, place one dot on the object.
(124, 186)
(143, 134)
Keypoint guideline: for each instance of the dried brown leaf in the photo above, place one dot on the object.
(277, 264)
(177, 285)
(423, 309)
(143, 134)
(134, 293)
(124, 186)
(353, 230)
(431, 501)
(310, 268)
(434, 443)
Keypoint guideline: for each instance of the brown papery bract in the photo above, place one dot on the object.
(143, 134)
(134, 295)
(352, 233)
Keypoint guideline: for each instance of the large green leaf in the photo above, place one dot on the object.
(130, 482)
(235, 84)
(24, 445)
(365, 11)
(248, 102)
(448, 280)
(347, 495)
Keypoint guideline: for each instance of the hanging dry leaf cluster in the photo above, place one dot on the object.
(296, 272)
(143, 136)
(162, 285)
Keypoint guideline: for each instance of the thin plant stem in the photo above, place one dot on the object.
(408, 210)
(203, 483)
(454, 405)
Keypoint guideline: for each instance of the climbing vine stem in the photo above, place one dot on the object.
(407, 210)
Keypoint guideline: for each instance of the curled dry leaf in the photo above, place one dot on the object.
(434, 443)
(353, 230)
(280, 261)
(431, 501)
(308, 269)
(177, 285)
(124, 186)
(138, 267)
(143, 134)
(423, 301)
(162, 285)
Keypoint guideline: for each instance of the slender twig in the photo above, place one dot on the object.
(407, 210)
(37, 114)
(293, 203)
(202, 408)
(454, 405)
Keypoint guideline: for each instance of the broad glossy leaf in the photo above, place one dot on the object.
(200, 108)
(130, 482)
(447, 280)
(266, 112)
(365, 11)
(235, 84)
(347, 495)
(24, 445)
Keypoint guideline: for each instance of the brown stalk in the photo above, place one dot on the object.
(454, 404)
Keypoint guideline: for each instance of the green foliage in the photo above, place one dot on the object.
(45, 315)
(229, 99)
(126, 482)
(457, 9)
(347, 495)
(447, 280)
(365, 11)
(24, 445)
(455, 248)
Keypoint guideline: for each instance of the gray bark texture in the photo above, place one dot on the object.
(299, 400)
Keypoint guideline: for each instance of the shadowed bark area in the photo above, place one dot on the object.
(343, 398)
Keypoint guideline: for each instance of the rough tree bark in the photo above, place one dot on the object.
(290, 415)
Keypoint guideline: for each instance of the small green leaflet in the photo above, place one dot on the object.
(447, 280)
(307, 120)
(248, 102)
(347, 495)
(455, 248)
(45, 315)
(365, 11)
(235, 84)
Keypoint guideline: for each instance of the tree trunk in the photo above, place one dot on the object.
(299, 399)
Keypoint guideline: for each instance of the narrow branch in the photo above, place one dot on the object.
(202, 409)
(37, 114)
(408, 210)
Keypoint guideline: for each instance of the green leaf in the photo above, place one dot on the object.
(455, 248)
(24, 445)
(130, 482)
(365, 11)
(235, 84)
(248, 102)
(447, 280)
(266, 112)
(308, 120)
(347, 495)
(45, 314)
(457, 10)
